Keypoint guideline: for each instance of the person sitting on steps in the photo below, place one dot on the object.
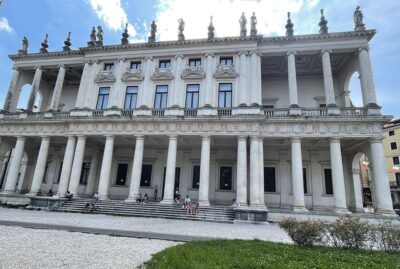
(145, 199)
(69, 196)
(140, 198)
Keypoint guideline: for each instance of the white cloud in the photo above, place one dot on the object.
(5, 26)
(271, 16)
(113, 14)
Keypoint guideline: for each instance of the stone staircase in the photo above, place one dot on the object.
(152, 210)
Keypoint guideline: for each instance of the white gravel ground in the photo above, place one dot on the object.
(31, 248)
(267, 232)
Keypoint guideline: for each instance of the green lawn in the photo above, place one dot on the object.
(260, 254)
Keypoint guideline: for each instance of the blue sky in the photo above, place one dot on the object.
(34, 19)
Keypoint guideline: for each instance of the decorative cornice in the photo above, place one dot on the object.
(132, 75)
(163, 74)
(193, 73)
(225, 71)
(105, 77)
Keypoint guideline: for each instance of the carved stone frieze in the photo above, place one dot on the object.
(132, 75)
(225, 71)
(196, 72)
(163, 74)
(105, 77)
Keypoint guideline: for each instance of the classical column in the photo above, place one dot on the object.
(339, 192)
(35, 87)
(297, 176)
(77, 164)
(366, 78)
(83, 86)
(136, 170)
(40, 167)
(58, 88)
(262, 198)
(176, 91)
(170, 173)
(328, 80)
(209, 88)
(204, 187)
(11, 88)
(292, 79)
(255, 79)
(383, 200)
(244, 71)
(241, 188)
(284, 179)
(254, 171)
(66, 168)
(145, 96)
(90, 187)
(105, 172)
(13, 173)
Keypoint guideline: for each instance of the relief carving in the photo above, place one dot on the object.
(105, 77)
(225, 71)
(193, 73)
(132, 75)
(162, 74)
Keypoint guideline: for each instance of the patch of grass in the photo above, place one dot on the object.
(241, 254)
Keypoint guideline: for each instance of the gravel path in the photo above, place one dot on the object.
(267, 232)
(31, 248)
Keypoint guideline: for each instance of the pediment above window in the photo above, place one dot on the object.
(105, 77)
(162, 74)
(193, 73)
(225, 71)
(132, 75)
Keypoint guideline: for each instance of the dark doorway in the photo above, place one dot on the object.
(176, 185)
(122, 172)
(5, 168)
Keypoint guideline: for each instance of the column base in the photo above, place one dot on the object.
(204, 203)
(103, 197)
(385, 212)
(8, 192)
(167, 201)
(257, 207)
(294, 111)
(341, 210)
(130, 199)
(299, 209)
(31, 194)
(333, 111)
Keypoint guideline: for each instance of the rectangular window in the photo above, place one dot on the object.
(305, 180)
(225, 95)
(102, 99)
(108, 66)
(145, 178)
(192, 95)
(194, 62)
(328, 181)
(196, 177)
(226, 61)
(395, 160)
(136, 65)
(164, 64)
(160, 100)
(122, 173)
(131, 97)
(84, 173)
(269, 179)
(225, 177)
(393, 145)
(391, 133)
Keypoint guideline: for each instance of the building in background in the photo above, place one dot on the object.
(391, 143)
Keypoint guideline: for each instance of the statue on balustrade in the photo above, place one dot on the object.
(358, 20)
(99, 36)
(92, 41)
(152, 37)
(253, 25)
(25, 45)
(243, 22)
(181, 28)
(211, 29)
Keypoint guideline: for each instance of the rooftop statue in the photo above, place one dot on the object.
(323, 24)
(211, 29)
(253, 25)
(289, 26)
(99, 42)
(181, 28)
(45, 45)
(92, 41)
(243, 22)
(358, 20)
(125, 35)
(152, 37)
(25, 45)
(67, 43)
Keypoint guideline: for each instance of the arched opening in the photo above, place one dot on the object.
(6, 168)
(24, 97)
(362, 196)
(352, 86)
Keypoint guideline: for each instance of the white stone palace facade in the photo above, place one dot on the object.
(264, 120)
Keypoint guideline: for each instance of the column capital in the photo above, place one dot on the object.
(81, 136)
(109, 137)
(366, 48)
(37, 67)
(334, 139)
(61, 66)
(209, 54)
(121, 59)
(291, 52)
(16, 68)
(70, 136)
(139, 137)
(295, 139)
(179, 56)
(148, 58)
(254, 137)
(242, 137)
(376, 139)
(173, 137)
(20, 137)
(325, 51)
(254, 52)
(240, 53)
(45, 137)
(205, 137)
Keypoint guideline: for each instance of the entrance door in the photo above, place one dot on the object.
(122, 172)
(176, 184)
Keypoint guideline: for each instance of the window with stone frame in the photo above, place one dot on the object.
(164, 64)
(269, 179)
(391, 133)
(328, 181)
(192, 95)
(225, 178)
(102, 99)
(122, 173)
(145, 178)
(194, 62)
(131, 97)
(196, 177)
(226, 60)
(395, 160)
(136, 65)
(108, 67)
(84, 173)
(393, 145)
(225, 95)
(160, 100)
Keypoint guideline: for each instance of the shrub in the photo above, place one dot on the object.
(389, 237)
(305, 233)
